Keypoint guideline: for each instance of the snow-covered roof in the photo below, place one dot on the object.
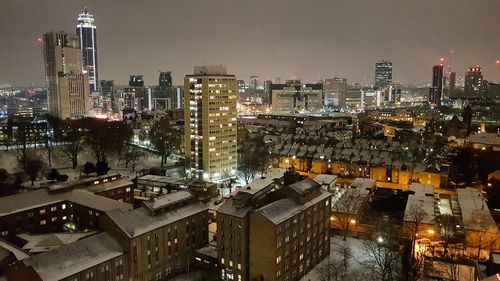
(366, 185)
(168, 199)
(68, 260)
(110, 185)
(423, 199)
(18, 253)
(42, 197)
(139, 221)
(325, 179)
(209, 250)
(475, 212)
(37, 243)
(304, 186)
(283, 209)
(84, 181)
(260, 184)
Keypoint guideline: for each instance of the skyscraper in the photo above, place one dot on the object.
(436, 89)
(383, 73)
(86, 30)
(254, 82)
(68, 86)
(474, 82)
(136, 81)
(210, 96)
(165, 80)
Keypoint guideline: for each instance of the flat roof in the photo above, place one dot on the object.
(168, 199)
(423, 198)
(261, 183)
(475, 212)
(283, 209)
(325, 179)
(68, 260)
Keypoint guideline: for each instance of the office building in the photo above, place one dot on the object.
(334, 88)
(210, 96)
(392, 93)
(68, 86)
(452, 84)
(254, 82)
(295, 96)
(87, 32)
(436, 89)
(474, 84)
(165, 80)
(136, 81)
(383, 73)
(275, 228)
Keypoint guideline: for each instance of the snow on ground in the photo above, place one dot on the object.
(336, 244)
(9, 162)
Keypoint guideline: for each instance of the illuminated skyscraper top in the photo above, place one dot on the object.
(87, 32)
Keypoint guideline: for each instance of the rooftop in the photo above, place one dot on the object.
(325, 179)
(423, 198)
(261, 183)
(68, 260)
(42, 197)
(139, 221)
(475, 212)
(304, 186)
(37, 243)
(283, 209)
(168, 199)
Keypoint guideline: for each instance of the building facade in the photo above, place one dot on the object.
(87, 32)
(383, 73)
(474, 84)
(68, 86)
(334, 89)
(293, 96)
(436, 89)
(276, 228)
(210, 134)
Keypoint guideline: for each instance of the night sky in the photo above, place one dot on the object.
(311, 39)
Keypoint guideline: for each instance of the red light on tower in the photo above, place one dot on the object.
(39, 41)
(498, 61)
(441, 61)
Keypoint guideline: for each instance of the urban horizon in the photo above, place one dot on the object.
(348, 57)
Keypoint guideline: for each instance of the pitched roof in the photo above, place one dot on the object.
(68, 260)
(139, 221)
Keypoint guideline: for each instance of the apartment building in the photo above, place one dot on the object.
(276, 228)
(210, 135)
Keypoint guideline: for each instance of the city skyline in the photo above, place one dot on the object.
(259, 42)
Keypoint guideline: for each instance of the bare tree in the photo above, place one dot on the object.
(72, 137)
(483, 235)
(383, 261)
(448, 232)
(415, 261)
(33, 168)
(133, 157)
(164, 138)
(346, 210)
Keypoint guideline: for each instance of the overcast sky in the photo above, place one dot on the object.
(308, 39)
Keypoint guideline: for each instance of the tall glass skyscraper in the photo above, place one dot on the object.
(87, 32)
(383, 73)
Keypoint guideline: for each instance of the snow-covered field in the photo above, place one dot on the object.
(336, 245)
